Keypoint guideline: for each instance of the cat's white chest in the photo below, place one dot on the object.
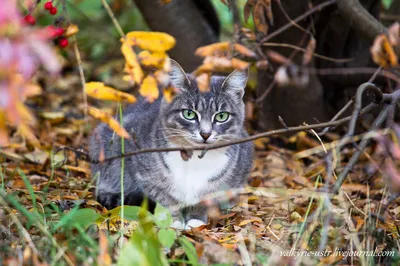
(191, 177)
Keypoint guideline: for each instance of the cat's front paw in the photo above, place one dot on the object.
(178, 225)
(193, 223)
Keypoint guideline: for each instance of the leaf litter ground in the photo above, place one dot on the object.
(282, 209)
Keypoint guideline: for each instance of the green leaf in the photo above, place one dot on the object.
(167, 237)
(130, 213)
(162, 216)
(143, 248)
(190, 250)
(78, 217)
(387, 3)
(29, 187)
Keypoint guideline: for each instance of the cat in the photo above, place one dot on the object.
(192, 118)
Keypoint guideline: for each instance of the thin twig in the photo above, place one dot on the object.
(299, 18)
(344, 109)
(114, 20)
(288, 45)
(242, 140)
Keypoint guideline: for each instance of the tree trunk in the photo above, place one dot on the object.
(183, 20)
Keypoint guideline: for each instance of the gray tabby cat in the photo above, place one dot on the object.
(192, 118)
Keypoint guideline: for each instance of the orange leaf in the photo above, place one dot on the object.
(99, 91)
(152, 41)
(203, 81)
(169, 94)
(240, 64)
(221, 48)
(149, 89)
(382, 52)
(132, 64)
(109, 120)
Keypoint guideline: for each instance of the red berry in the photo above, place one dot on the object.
(51, 31)
(48, 5)
(58, 32)
(63, 42)
(30, 19)
(53, 10)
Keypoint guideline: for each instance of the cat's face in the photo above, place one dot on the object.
(194, 117)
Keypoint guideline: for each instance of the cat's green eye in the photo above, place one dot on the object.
(189, 114)
(221, 117)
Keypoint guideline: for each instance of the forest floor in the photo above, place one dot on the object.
(280, 210)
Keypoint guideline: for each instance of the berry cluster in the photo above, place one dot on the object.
(49, 6)
(55, 32)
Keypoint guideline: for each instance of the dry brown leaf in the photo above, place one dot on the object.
(308, 55)
(247, 9)
(259, 18)
(26, 131)
(71, 30)
(110, 121)
(99, 91)
(150, 40)
(149, 89)
(104, 258)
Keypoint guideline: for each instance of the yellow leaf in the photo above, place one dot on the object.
(152, 41)
(26, 131)
(109, 120)
(133, 67)
(24, 113)
(71, 30)
(169, 94)
(156, 59)
(149, 89)
(3, 128)
(99, 91)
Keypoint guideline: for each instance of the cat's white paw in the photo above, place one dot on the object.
(192, 223)
(178, 225)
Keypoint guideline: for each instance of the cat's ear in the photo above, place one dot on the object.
(178, 77)
(235, 83)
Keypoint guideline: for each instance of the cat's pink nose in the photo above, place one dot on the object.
(205, 136)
